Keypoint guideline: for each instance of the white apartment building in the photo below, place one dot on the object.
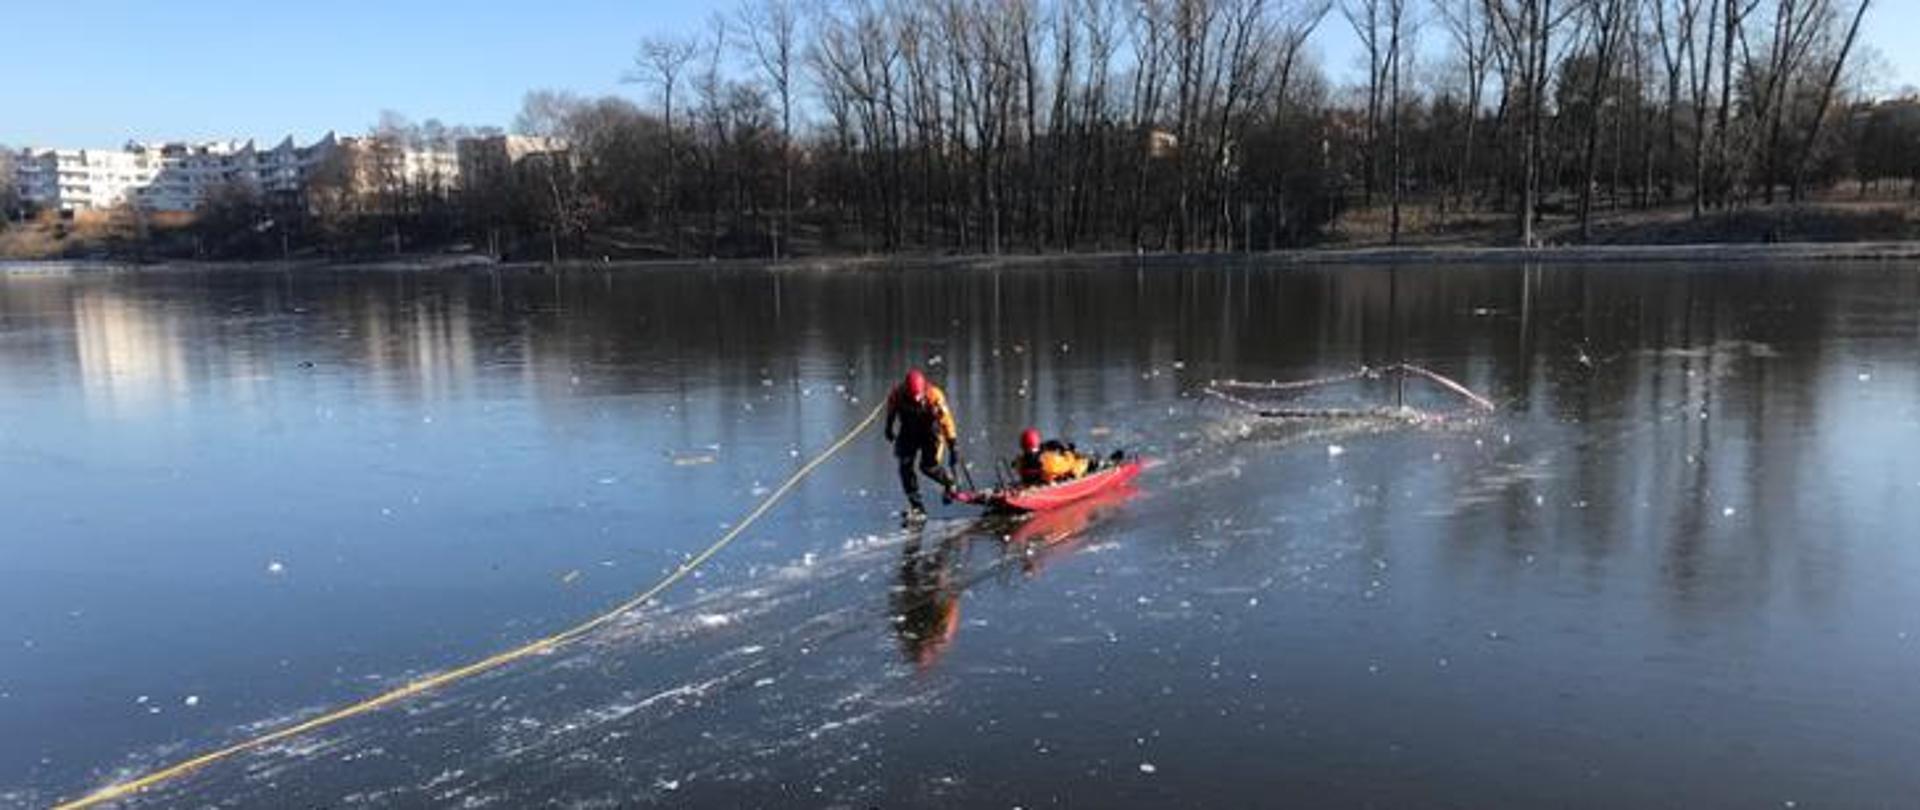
(180, 176)
(80, 179)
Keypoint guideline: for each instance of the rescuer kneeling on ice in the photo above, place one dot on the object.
(921, 429)
(1047, 462)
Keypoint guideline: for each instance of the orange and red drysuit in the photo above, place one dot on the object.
(1053, 462)
(921, 428)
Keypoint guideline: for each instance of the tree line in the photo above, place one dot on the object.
(997, 126)
(993, 126)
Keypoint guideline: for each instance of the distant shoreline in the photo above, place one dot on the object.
(1713, 253)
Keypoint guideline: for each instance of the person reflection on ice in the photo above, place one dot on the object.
(926, 602)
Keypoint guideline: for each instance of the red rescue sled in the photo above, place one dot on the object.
(1053, 496)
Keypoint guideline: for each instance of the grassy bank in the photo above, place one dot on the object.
(1827, 229)
(1836, 219)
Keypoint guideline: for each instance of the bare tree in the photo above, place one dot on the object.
(1732, 18)
(1366, 17)
(1526, 29)
(1673, 24)
(545, 112)
(9, 192)
(710, 89)
(1838, 64)
(1604, 22)
(772, 29)
(1471, 32)
(385, 151)
(660, 62)
(1700, 72)
(1794, 27)
(1396, 34)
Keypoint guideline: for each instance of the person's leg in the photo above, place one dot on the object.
(930, 464)
(903, 452)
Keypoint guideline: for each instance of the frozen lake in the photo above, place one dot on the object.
(1676, 568)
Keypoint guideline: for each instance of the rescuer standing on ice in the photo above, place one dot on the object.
(921, 429)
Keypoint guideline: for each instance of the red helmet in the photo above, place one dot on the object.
(916, 384)
(1029, 440)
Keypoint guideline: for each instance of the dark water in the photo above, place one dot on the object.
(1677, 568)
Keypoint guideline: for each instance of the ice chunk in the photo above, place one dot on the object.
(275, 567)
(692, 458)
(191, 701)
(1147, 767)
(1334, 450)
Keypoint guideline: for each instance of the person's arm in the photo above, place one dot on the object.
(893, 415)
(950, 434)
(948, 429)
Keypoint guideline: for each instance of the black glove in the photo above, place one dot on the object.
(953, 456)
(887, 433)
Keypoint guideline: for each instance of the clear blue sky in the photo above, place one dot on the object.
(220, 68)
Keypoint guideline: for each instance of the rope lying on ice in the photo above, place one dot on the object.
(124, 789)
(1448, 383)
(1220, 389)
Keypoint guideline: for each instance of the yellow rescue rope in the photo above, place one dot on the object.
(129, 787)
